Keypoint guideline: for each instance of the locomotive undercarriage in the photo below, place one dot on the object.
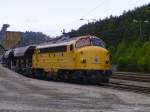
(77, 76)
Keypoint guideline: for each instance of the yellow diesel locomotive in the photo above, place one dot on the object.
(82, 58)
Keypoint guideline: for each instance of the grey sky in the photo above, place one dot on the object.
(51, 16)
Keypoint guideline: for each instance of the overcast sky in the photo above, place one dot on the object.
(51, 16)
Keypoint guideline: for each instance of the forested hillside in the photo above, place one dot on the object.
(28, 38)
(127, 36)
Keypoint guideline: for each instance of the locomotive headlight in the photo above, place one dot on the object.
(96, 60)
(107, 62)
(108, 58)
(83, 60)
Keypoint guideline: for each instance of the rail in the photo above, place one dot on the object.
(128, 87)
(136, 82)
(131, 76)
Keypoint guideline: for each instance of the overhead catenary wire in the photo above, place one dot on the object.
(88, 13)
(96, 7)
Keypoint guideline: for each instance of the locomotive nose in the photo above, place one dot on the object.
(94, 58)
(101, 58)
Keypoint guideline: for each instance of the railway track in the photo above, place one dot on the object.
(133, 88)
(131, 76)
(127, 76)
(136, 80)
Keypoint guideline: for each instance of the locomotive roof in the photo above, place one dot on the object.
(18, 52)
(53, 44)
(61, 43)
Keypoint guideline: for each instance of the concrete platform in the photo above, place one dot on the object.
(21, 94)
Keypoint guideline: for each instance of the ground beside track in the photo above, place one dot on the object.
(21, 94)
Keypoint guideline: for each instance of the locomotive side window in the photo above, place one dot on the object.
(71, 47)
(54, 49)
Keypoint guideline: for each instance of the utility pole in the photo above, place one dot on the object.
(140, 26)
(88, 20)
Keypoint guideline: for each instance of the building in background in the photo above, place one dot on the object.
(11, 39)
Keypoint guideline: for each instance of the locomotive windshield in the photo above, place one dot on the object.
(83, 42)
(87, 41)
(98, 42)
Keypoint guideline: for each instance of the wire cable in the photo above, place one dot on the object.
(93, 9)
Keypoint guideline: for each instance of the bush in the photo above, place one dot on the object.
(122, 64)
(141, 64)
